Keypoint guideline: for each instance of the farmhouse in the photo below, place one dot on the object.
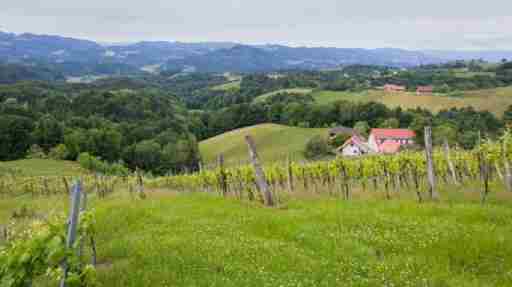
(354, 146)
(390, 140)
(390, 88)
(424, 90)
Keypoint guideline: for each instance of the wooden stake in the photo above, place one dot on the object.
(450, 162)
(430, 164)
(73, 225)
(289, 174)
(484, 174)
(506, 165)
(140, 185)
(261, 181)
(222, 176)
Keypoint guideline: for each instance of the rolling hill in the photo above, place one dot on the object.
(274, 143)
(494, 100)
(82, 57)
(249, 59)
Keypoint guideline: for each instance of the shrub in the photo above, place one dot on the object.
(317, 147)
(60, 152)
(95, 164)
(36, 151)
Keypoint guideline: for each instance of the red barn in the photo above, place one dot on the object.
(390, 140)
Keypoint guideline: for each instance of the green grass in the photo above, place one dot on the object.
(465, 74)
(301, 91)
(493, 100)
(43, 167)
(274, 143)
(197, 239)
(235, 85)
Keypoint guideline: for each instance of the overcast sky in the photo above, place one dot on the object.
(413, 24)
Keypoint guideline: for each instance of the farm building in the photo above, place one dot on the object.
(389, 147)
(390, 88)
(390, 140)
(424, 90)
(354, 146)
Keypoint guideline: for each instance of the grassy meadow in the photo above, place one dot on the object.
(234, 85)
(274, 143)
(310, 239)
(493, 100)
(301, 91)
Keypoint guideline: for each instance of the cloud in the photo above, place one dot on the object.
(412, 24)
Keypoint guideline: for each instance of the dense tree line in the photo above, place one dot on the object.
(154, 122)
(12, 73)
(146, 129)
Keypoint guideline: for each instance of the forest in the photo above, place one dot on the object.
(155, 122)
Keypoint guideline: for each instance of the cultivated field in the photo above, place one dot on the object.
(274, 143)
(493, 100)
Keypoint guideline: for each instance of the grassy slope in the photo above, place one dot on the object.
(235, 85)
(294, 91)
(274, 142)
(43, 167)
(494, 100)
(194, 239)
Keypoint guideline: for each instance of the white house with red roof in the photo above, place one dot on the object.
(354, 146)
(390, 140)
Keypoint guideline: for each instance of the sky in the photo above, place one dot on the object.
(409, 24)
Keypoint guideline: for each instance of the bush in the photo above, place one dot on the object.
(60, 152)
(95, 164)
(36, 152)
(317, 147)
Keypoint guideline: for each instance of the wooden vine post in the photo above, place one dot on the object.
(289, 173)
(506, 164)
(430, 164)
(72, 225)
(222, 176)
(484, 175)
(140, 185)
(451, 167)
(346, 187)
(261, 181)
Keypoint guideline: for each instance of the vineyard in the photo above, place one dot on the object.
(488, 164)
(377, 220)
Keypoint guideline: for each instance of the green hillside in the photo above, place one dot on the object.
(42, 167)
(494, 100)
(301, 91)
(235, 85)
(274, 142)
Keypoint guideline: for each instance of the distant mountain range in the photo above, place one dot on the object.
(75, 57)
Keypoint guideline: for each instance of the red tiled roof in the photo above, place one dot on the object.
(425, 89)
(355, 139)
(389, 147)
(392, 133)
(393, 87)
